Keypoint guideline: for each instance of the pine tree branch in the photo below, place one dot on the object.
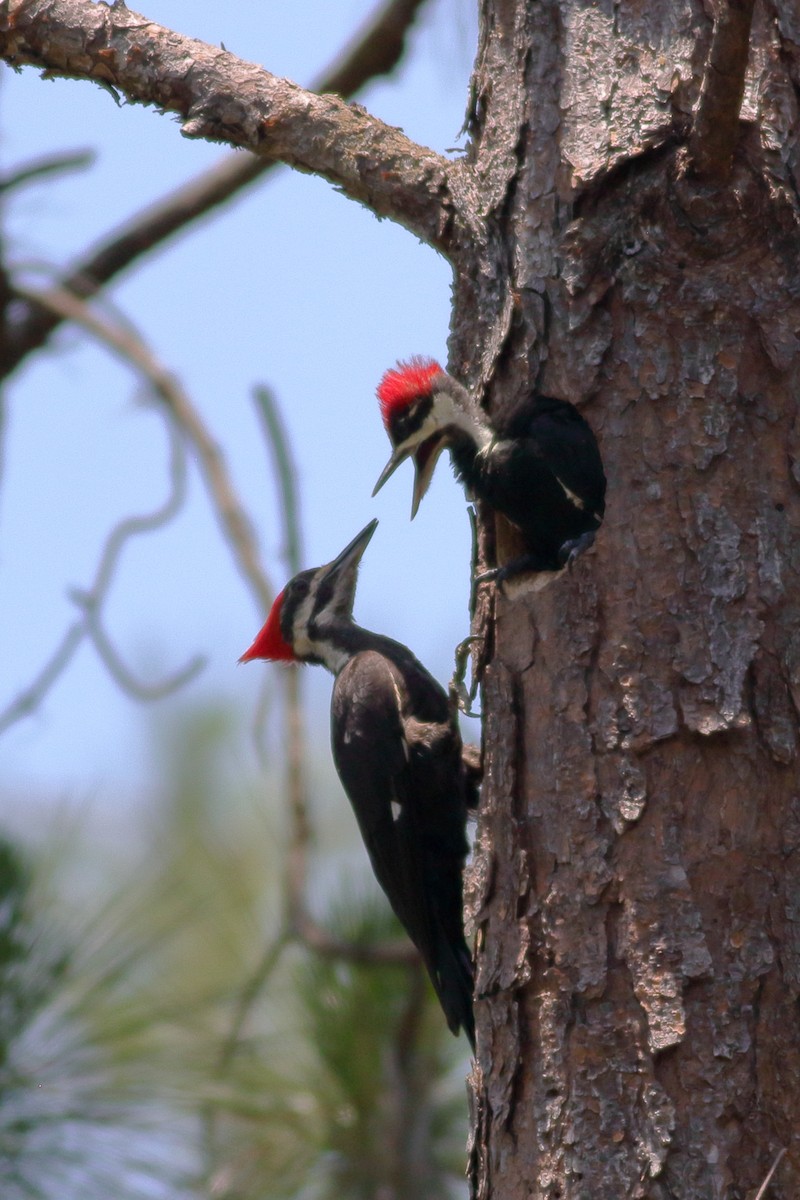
(716, 124)
(376, 51)
(222, 98)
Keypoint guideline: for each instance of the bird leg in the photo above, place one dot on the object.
(461, 697)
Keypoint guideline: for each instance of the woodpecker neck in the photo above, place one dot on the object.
(456, 411)
(334, 642)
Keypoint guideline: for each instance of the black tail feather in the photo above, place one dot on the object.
(453, 981)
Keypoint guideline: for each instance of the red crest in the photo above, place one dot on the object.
(270, 642)
(405, 383)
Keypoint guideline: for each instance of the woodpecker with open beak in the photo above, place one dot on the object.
(398, 753)
(542, 470)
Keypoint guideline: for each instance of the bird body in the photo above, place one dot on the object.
(398, 753)
(541, 469)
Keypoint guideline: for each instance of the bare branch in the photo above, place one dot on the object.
(223, 98)
(376, 52)
(91, 602)
(716, 124)
(51, 164)
(399, 953)
(121, 675)
(286, 475)
(227, 506)
(32, 696)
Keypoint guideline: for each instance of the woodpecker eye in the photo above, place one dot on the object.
(300, 589)
(410, 419)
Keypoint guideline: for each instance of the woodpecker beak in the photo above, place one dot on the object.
(400, 455)
(424, 456)
(341, 574)
(425, 459)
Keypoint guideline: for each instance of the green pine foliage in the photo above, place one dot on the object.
(138, 1058)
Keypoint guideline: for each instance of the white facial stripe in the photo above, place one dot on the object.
(300, 639)
(445, 412)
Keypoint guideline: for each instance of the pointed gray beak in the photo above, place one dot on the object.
(394, 462)
(344, 567)
(424, 455)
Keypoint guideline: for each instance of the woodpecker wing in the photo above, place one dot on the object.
(556, 432)
(402, 777)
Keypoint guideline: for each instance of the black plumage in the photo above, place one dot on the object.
(543, 472)
(398, 752)
(541, 468)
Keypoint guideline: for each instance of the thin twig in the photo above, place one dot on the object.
(51, 164)
(91, 603)
(716, 124)
(247, 997)
(31, 697)
(763, 1189)
(300, 831)
(286, 474)
(324, 943)
(225, 501)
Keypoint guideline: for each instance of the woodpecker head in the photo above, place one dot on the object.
(304, 618)
(421, 406)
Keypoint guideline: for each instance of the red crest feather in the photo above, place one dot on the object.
(405, 383)
(270, 642)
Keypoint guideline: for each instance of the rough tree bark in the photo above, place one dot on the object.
(635, 885)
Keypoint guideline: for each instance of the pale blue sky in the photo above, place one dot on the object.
(293, 286)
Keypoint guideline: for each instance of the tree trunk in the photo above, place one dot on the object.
(635, 884)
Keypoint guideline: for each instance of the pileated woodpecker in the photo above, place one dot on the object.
(398, 753)
(542, 469)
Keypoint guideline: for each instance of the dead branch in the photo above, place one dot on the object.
(375, 52)
(226, 99)
(286, 475)
(130, 348)
(91, 602)
(28, 700)
(50, 164)
(716, 124)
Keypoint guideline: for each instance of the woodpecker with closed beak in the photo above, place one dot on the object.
(398, 753)
(542, 469)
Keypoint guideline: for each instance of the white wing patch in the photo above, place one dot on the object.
(397, 810)
(576, 500)
(399, 701)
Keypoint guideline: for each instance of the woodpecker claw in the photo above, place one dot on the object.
(575, 547)
(461, 696)
(515, 566)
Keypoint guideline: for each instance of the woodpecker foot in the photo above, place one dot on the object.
(574, 548)
(515, 566)
(461, 696)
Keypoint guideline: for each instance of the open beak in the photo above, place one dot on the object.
(424, 456)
